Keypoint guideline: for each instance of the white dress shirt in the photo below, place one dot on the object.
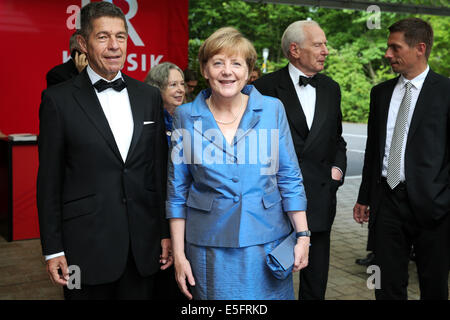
(307, 97)
(394, 106)
(306, 94)
(117, 109)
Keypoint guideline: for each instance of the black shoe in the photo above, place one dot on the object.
(367, 261)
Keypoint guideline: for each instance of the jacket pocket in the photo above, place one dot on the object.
(200, 201)
(271, 198)
(80, 207)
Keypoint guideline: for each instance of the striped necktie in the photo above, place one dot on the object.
(395, 151)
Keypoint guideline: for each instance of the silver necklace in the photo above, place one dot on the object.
(211, 106)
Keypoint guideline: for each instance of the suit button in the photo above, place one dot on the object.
(235, 179)
(236, 199)
(124, 200)
(125, 170)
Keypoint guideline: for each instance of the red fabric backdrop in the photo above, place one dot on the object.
(36, 38)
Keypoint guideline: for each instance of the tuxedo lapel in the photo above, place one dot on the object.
(320, 111)
(88, 101)
(294, 111)
(137, 104)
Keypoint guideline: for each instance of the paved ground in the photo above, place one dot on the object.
(23, 276)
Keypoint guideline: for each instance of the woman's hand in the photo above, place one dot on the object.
(301, 253)
(182, 271)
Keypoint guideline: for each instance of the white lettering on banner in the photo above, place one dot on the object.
(133, 64)
(132, 59)
(65, 56)
(72, 21)
(153, 61)
(131, 31)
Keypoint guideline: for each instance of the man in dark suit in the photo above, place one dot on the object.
(312, 103)
(71, 67)
(406, 173)
(102, 167)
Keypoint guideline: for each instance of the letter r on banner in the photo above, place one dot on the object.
(130, 14)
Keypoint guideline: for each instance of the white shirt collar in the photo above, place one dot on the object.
(94, 76)
(417, 82)
(295, 73)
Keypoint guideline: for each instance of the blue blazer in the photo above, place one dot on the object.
(233, 195)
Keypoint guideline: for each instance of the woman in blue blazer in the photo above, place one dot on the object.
(234, 185)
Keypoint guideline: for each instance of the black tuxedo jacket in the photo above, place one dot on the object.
(317, 150)
(92, 205)
(61, 73)
(427, 153)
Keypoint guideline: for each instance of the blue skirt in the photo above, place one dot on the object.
(236, 274)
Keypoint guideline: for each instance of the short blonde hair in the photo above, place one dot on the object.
(230, 41)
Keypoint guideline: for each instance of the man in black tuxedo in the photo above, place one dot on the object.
(102, 167)
(71, 67)
(312, 103)
(406, 173)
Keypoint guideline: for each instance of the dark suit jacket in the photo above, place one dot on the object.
(91, 204)
(427, 154)
(61, 73)
(317, 150)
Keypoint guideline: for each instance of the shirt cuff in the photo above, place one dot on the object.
(51, 256)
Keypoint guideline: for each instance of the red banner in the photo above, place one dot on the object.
(36, 38)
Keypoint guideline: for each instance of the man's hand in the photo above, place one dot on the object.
(336, 174)
(361, 213)
(80, 61)
(55, 264)
(166, 258)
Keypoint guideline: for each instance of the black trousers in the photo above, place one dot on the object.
(314, 278)
(130, 286)
(396, 229)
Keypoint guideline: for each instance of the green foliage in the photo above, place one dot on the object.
(356, 60)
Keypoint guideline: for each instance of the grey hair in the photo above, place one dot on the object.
(158, 76)
(295, 33)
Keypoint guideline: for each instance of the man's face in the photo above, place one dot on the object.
(106, 46)
(310, 56)
(401, 56)
(253, 76)
(191, 85)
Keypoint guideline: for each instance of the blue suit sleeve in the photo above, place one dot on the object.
(179, 178)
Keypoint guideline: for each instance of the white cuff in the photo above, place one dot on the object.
(51, 256)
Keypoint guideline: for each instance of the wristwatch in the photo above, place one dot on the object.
(306, 233)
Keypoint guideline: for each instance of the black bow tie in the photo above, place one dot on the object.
(117, 85)
(304, 81)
